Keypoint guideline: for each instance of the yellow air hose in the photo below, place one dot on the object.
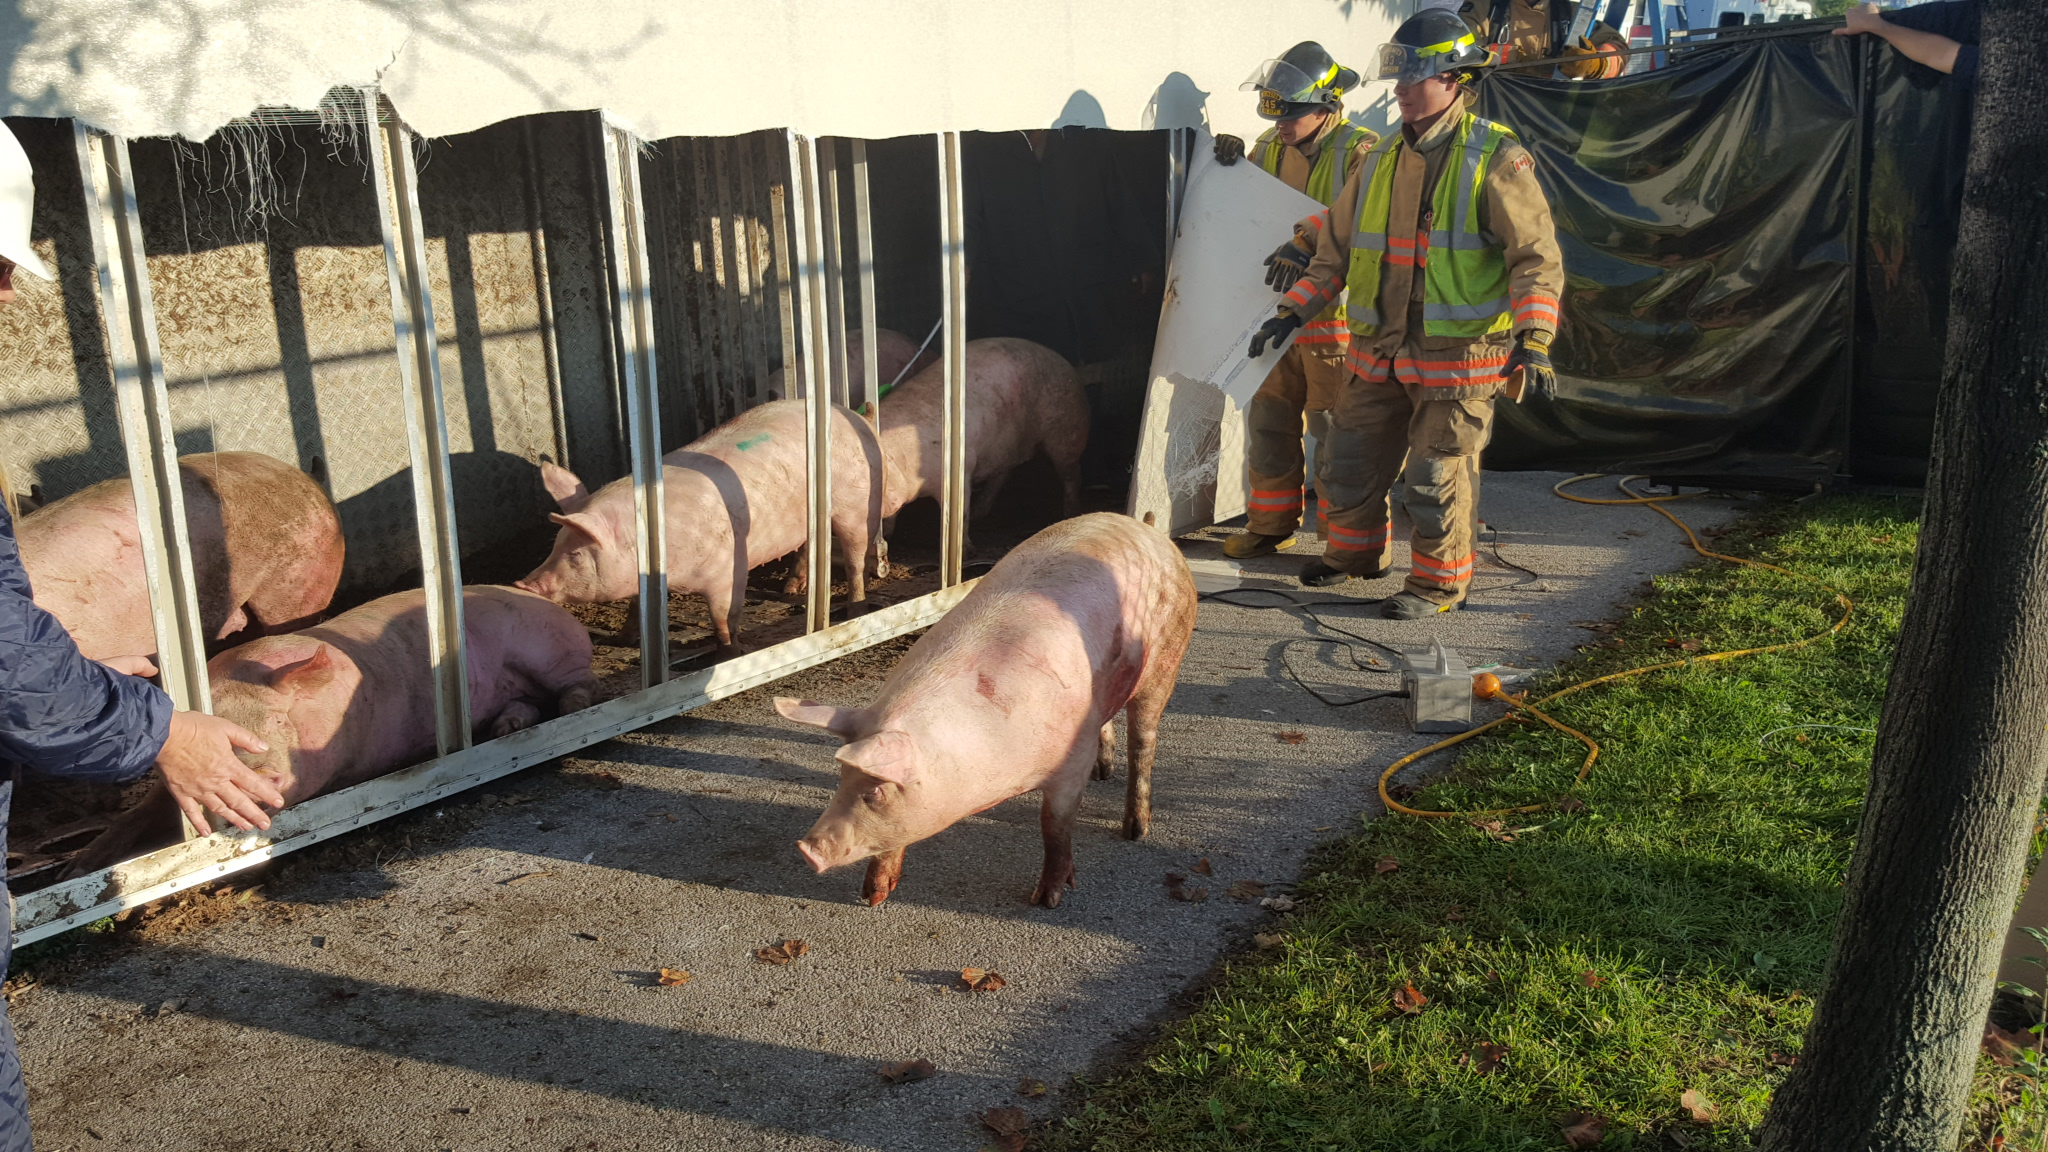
(1487, 686)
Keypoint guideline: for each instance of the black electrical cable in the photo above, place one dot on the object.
(1308, 608)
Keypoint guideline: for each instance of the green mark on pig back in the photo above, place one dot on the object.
(752, 441)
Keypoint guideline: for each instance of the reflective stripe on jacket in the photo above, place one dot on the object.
(1465, 286)
(1326, 176)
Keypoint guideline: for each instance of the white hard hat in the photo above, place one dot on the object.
(17, 206)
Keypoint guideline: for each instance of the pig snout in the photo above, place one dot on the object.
(812, 855)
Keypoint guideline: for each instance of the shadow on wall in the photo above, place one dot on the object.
(1083, 110)
(483, 518)
(1177, 103)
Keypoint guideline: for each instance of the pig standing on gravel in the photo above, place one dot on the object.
(266, 553)
(1014, 690)
(1021, 398)
(350, 699)
(736, 498)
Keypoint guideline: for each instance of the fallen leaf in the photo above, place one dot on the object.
(523, 876)
(1455, 916)
(1202, 868)
(1695, 1102)
(673, 978)
(1408, 1000)
(983, 979)
(781, 953)
(1487, 1057)
(1571, 804)
(1007, 1120)
(1583, 1130)
(1784, 1061)
(904, 1071)
(1268, 939)
(1277, 903)
(1245, 890)
(2002, 1046)
(1195, 895)
(1290, 737)
(1591, 979)
(1489, 827)
(1029, 1087)
(1880, 539)
(1387, 864)
(1175, 879)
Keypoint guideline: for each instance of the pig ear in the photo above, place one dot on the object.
(589, 527)
(890, 756)
(310, 673)
(569, 493)
(841, 722)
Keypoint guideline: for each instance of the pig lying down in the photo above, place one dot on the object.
(1014, 690)
(266, 553)
(350, 700)
(735, 498)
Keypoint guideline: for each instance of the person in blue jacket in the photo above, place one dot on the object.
(64, 715)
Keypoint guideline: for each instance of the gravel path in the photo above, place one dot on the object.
(486, 976)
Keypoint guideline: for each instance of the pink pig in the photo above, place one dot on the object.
(1021, 398)
(266, 553)
(350, 699)
(736, 498)
(893, 352)
(1014, 690)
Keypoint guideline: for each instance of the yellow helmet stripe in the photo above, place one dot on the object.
(1464, 41)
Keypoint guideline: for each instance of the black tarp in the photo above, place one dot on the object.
(1707, 213)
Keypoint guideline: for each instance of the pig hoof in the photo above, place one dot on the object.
(875, 897)
(1135, 829)
(1104, 769)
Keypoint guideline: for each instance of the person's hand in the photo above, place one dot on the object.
(1862, 18)
(131, 665)
(1532, 356)
(1229, 150)
(1287, 263)
(199, 766)
(1274, 332)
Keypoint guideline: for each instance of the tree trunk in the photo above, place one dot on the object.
(1956, 776)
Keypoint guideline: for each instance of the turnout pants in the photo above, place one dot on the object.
(1300, 389)
(1384, 430)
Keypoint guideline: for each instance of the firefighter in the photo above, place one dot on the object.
(1313, 151)
(1526, 29)
(1445, 243)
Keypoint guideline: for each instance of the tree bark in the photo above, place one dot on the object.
(1956, 776)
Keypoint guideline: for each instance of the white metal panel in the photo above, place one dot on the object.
(1190, 469)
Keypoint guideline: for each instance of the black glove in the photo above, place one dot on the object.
(1274, 332)
(1287, 263)
(1229, 150)
(1532, 356)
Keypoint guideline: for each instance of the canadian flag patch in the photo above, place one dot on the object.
(1522, 163)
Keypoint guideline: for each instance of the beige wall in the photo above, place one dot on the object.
(865, 68)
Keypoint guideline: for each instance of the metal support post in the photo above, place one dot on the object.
(1176, 180)
(633, 316)
(395, 181)
(835, 274)
(811, 319)
(129, 311)
(953, 292)
(779, 207)
(864, 253)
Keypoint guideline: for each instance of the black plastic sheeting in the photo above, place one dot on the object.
(1715, 265)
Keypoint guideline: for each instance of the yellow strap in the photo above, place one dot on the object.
(1522, 704)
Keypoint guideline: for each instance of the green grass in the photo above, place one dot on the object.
(1698, 889)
